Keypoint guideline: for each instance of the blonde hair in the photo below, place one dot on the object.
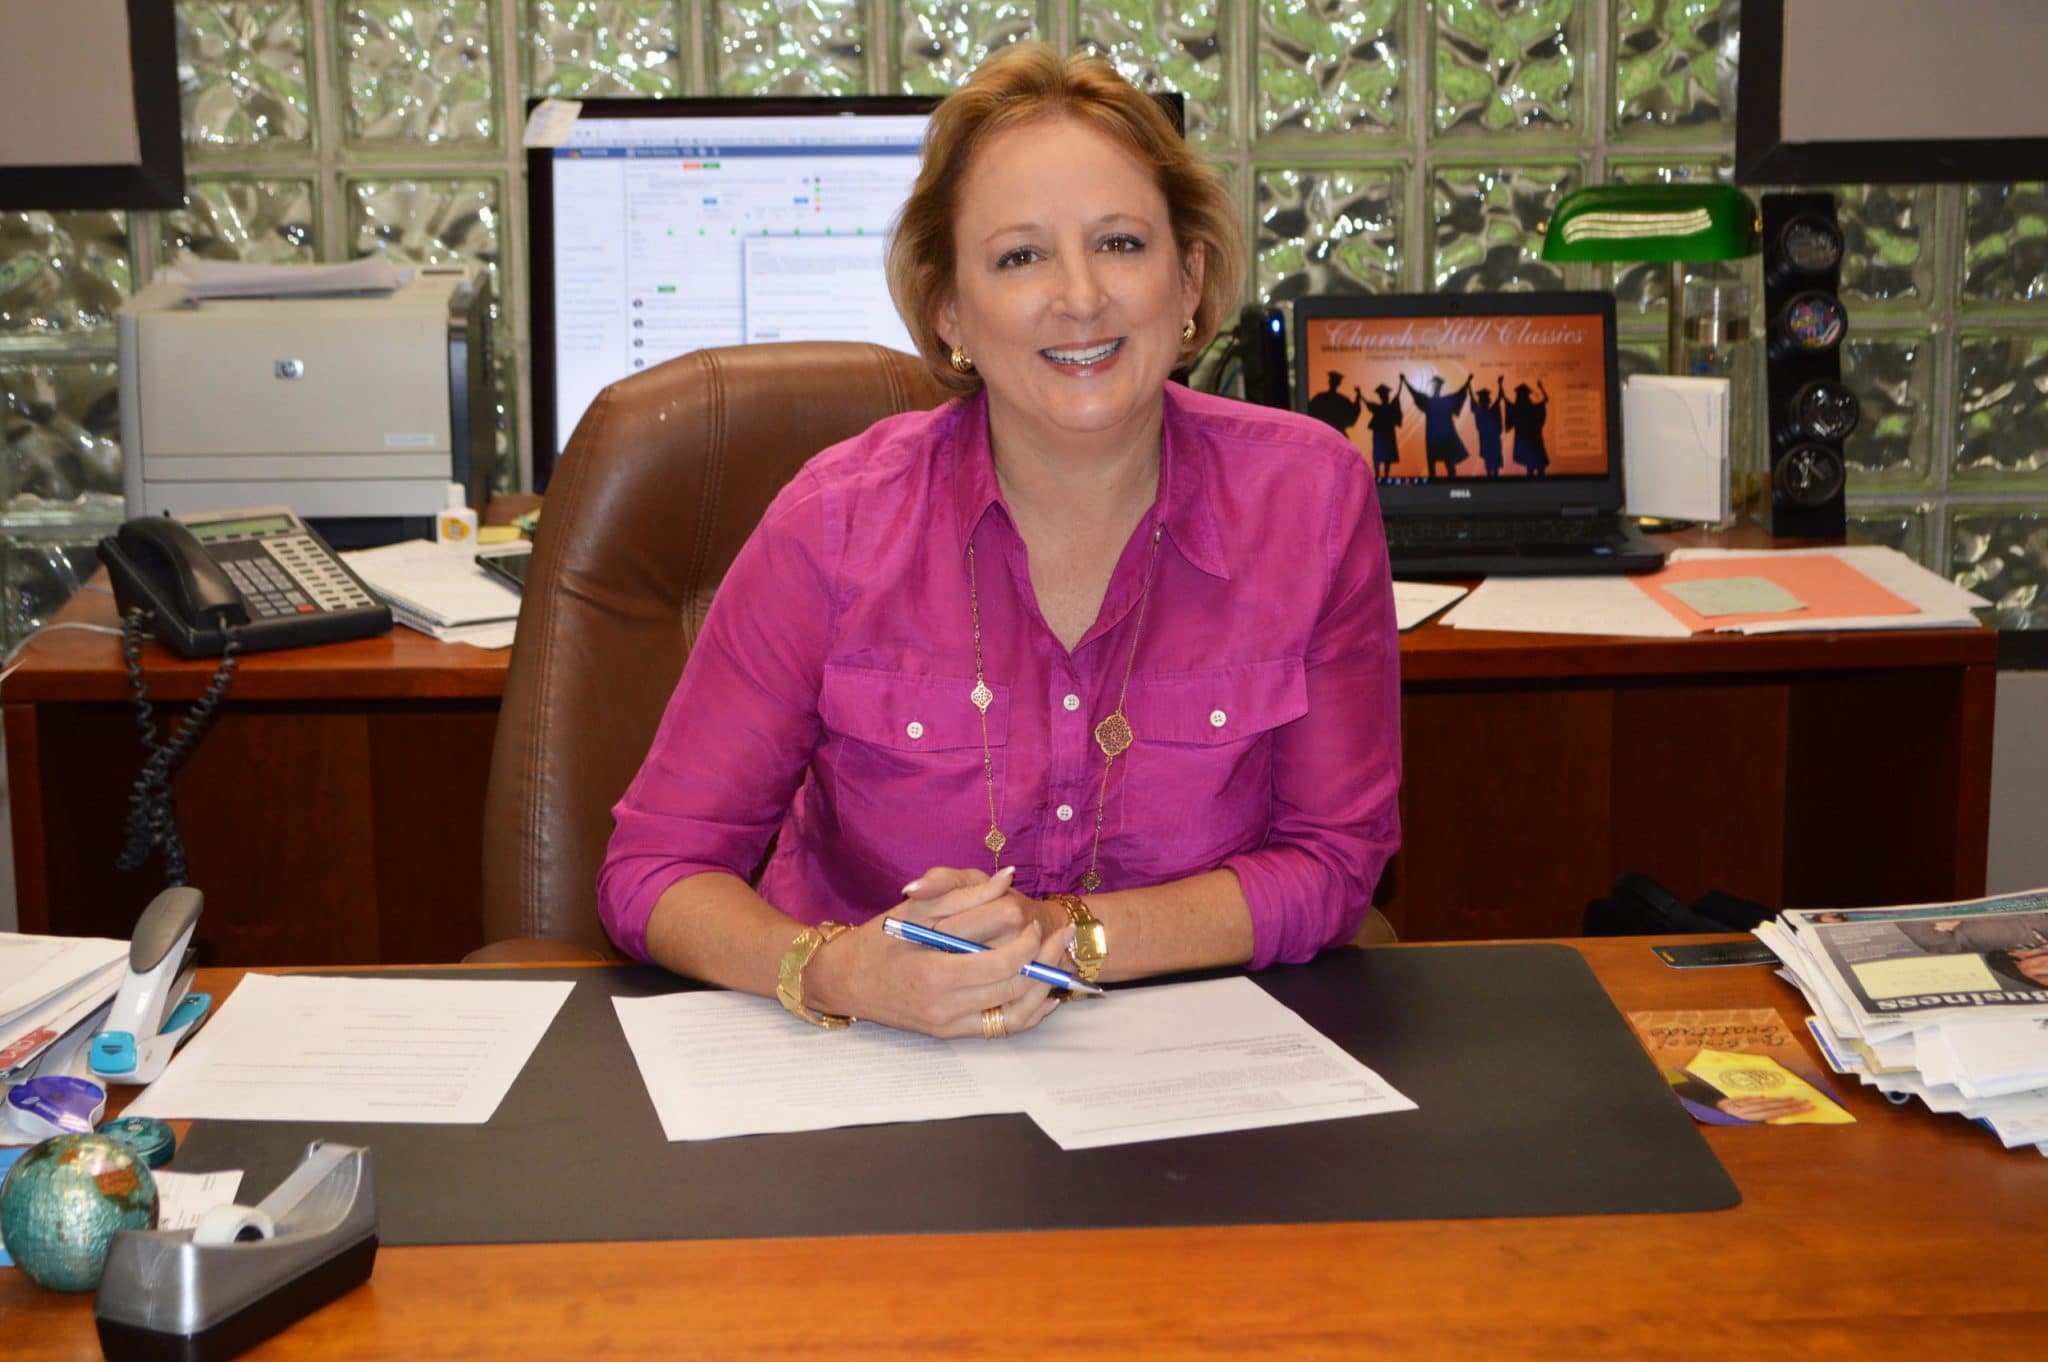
(1028, 81)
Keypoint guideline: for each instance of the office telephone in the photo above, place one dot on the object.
(216, 585)
(261, 576)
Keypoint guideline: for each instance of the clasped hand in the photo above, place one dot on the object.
(866, 974)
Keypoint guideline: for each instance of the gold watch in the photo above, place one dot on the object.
(789, 987)
(1091, 938)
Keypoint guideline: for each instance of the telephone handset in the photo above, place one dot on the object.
(261, 575)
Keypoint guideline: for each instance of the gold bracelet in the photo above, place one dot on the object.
(1091, 938)
(789, 989)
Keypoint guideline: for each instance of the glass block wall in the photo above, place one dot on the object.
(1373, 145)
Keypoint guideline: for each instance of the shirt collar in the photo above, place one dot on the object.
(974, 469)
(1184, 501)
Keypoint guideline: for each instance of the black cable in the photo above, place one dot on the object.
(152, 816)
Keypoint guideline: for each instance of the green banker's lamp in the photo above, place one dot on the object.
(1709, 331)
(1680, 223)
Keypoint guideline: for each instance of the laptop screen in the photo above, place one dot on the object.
(1468, 401)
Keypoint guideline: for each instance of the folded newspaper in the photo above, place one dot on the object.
(1946, 1002)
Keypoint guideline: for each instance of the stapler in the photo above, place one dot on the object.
(152, 1013)
(243, 1273)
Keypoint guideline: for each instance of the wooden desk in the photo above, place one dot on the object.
(1906, 1235)
(334, 811)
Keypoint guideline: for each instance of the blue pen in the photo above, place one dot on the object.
(939, 941)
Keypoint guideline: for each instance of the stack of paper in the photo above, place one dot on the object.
(253, 279)
(1946, 1002)
(1743, 591)
(53, 991)
(438, 589)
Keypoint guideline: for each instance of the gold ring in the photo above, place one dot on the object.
(993, 1027)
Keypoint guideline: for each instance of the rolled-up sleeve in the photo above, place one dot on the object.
(1337, 769)
(738, 732)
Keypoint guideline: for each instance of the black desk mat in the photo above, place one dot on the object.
(1534, 1099)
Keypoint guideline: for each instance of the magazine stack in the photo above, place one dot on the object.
(1944, 1002)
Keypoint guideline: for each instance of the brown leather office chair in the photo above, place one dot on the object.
(664, 479)
(666, 476)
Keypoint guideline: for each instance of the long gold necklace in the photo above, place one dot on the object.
(1113, 735)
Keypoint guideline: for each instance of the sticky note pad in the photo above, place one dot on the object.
(1712, 597)
(1925, 974)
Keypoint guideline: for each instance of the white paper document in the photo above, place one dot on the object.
(1415, 602)
(1186, 1059)
(182, 1198)
(719, 1064)
(1145, 1064)
(309, 1048)
(1565, 605)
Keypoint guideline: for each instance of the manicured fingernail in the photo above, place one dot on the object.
(912, 887)
(1009, 870)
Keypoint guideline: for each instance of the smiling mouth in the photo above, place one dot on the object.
(1091, 354)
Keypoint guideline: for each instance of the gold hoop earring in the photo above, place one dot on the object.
(962, 364)
(1187, 333)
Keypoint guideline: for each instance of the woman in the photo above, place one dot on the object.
(1104, 669)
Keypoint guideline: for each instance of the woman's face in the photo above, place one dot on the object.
(1069, 291)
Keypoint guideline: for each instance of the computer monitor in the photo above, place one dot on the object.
(662, 226)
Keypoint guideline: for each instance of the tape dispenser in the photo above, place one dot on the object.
(152, 1013)
(244, 1272)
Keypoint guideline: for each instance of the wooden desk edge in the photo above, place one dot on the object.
(78, 666)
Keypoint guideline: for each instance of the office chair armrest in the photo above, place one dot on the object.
(534, 950)
(1375, 930)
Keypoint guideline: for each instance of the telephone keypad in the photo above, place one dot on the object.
(307, 570)
(283, 575)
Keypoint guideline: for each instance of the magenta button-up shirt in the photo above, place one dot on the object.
(826, 701)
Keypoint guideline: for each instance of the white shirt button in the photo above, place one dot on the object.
(914, 729)
(1065, 813)
(1072, 702)
(1216, 718)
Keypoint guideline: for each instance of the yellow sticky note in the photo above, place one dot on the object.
(497, 534)
(1925, 974)
(1737, 1075)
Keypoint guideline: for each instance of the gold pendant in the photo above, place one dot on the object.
(995, 840)
(1114, 734)
(981, 695)
(1090, 882)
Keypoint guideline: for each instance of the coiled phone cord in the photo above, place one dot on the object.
(152, 817)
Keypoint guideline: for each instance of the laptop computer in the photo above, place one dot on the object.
(1492, 422)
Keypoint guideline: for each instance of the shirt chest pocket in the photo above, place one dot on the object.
(1204, 750)
(1207, 711)
(910, 713)
(900, 776)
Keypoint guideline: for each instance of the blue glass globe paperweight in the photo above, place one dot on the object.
(64, 1199)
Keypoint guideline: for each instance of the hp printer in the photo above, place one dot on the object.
(356, 410)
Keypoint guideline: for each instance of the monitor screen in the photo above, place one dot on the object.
(665, 226)
(1437, 388)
